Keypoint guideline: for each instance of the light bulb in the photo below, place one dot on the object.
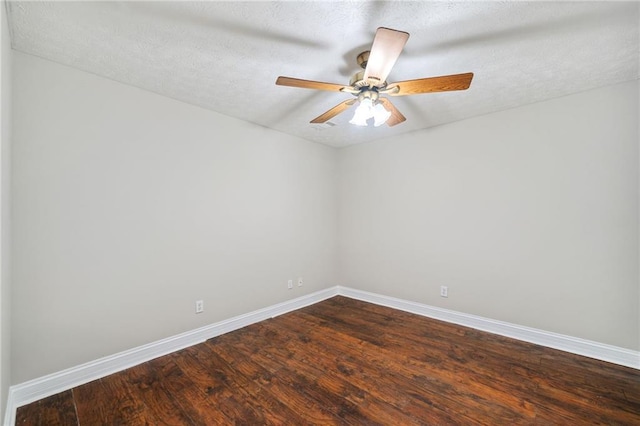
(380, 115)
(363, 113)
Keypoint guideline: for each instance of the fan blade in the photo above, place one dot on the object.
(387, 46)
(334, 111)
(432, 84)
(396, 116)
(308, 84)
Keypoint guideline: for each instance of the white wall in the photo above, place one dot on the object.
(5, 222)
(529, 216)
(129, 206)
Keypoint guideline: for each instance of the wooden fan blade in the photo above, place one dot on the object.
(444, 83)
(387, 46)
(396, 116)
(309, 84)
(334, 111)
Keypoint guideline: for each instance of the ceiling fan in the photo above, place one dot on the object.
(369, 84)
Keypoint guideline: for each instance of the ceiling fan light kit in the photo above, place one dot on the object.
(369, 84)
(369, 108)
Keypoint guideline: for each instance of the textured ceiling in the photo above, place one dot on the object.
(226, 55)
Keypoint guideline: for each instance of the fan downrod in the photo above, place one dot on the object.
(363, 59)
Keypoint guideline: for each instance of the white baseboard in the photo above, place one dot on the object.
(33, 390)
(575, 345)
(42, 387)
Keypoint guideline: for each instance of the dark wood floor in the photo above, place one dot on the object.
(343, 361)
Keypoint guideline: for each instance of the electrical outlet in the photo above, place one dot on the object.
(300, 282)
(444, 291)
(199, 306)
(290, 284)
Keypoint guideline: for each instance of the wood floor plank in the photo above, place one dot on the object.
(29, 415)
(394, 360)
(352, 383)
(192, 400)
(152, 391)
(234, 385)
(109, 401)
(90, 402)
(290, 352)
(284, 385)
(347, 362)
(368, 366)
(125, 403)
(57, 409)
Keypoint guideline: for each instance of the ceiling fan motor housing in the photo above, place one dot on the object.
(357, 81)
(361, 85)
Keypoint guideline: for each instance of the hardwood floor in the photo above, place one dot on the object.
(343, 361)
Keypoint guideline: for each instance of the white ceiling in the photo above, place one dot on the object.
(226, 55)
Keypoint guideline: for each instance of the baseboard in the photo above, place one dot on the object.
(42, 387)
(588, 348)
(33, 390)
